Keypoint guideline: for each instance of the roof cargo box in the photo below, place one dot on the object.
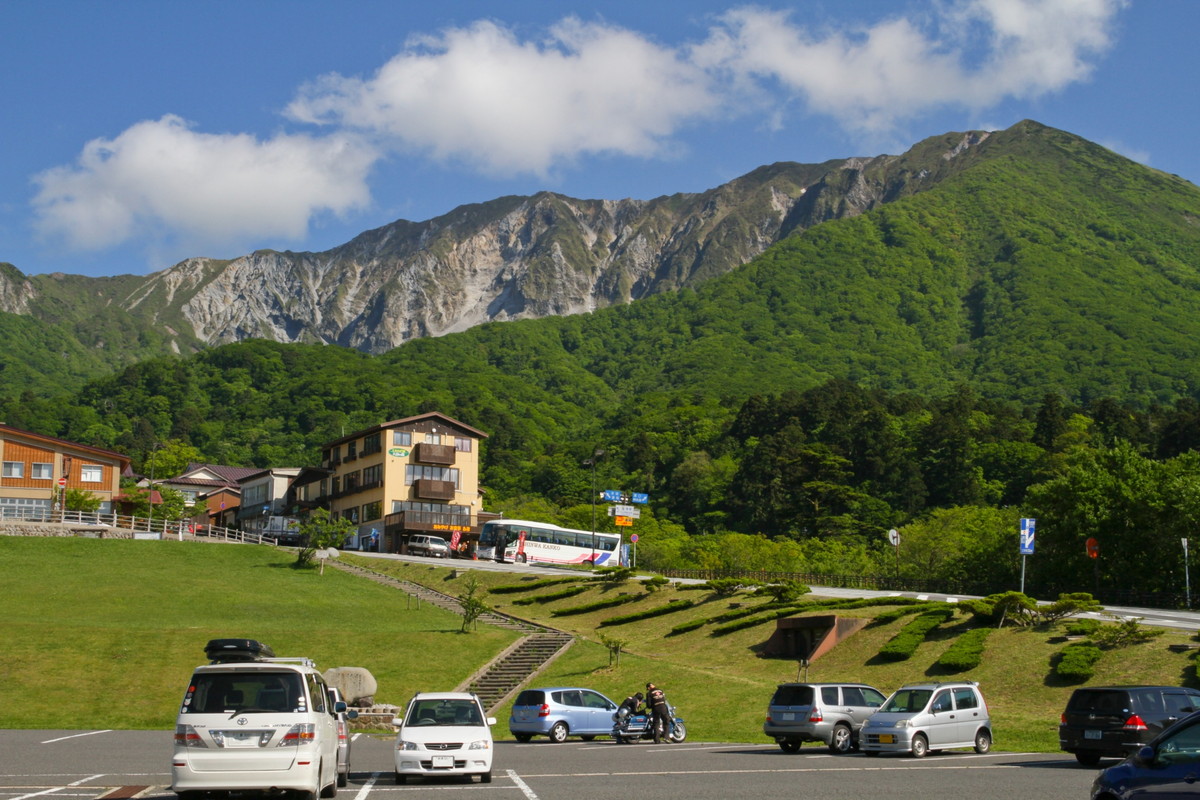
(220, 651)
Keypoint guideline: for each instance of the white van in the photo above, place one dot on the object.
(251, 721)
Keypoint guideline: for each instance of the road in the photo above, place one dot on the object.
(94, 764)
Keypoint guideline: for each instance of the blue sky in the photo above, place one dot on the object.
(137, 134)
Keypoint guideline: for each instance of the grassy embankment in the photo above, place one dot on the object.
(103, 634)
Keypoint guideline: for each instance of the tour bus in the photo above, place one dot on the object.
(520, 541)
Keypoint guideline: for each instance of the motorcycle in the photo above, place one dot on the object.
(631, 727)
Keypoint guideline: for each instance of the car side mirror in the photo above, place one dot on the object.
(397, 722)
(491, 721)
(340, 707)
(1144, 755)
(351, 715)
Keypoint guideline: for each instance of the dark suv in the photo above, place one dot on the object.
(1114, 721)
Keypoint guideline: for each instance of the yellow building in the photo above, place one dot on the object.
(418, 475)
(36, 471)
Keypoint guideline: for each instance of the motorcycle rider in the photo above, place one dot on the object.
(630, 705)
(656, 701)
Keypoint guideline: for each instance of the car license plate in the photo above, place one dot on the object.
(1093, 735)
(887, 738)
(443, 762)
(788, 717)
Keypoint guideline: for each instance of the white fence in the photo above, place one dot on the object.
(142, 527)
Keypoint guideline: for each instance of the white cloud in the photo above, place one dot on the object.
(480, 96)
(971, 54)
(161, 179)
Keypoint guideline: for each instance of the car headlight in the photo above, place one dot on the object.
(902, 723)
(481, 744)
(403, 745)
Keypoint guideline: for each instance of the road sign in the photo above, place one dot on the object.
(641, 498)
(62, 483)
(1028, 528)
(894, 537)
(624, 511)
(612, 496)
(624, 521)
(633, 537)
(1093, 547)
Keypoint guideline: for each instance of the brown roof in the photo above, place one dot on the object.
(396, 423)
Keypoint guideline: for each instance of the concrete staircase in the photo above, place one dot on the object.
(496, 681)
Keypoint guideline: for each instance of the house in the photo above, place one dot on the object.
(36, 471)
(414, 475)
(264, 501)
(200, 480)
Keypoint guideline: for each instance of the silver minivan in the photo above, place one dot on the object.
(927, 717)
(831, 713)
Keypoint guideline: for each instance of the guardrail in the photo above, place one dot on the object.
(142, 527)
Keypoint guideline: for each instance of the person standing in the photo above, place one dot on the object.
(660, 712)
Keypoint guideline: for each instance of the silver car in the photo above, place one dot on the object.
(343, 734)
(928, 717)
(830, 713)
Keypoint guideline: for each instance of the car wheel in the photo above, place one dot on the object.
(919, 746)
(401, 779)
(523, 737)
(522, 558)
(330, 790)
(983, 742)
(789, 746)
(558, 734)
(841, 741)
(1087, 758)
(342, 779)
(485, 777)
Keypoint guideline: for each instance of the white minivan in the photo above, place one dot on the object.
(925, 718)
(252, 722)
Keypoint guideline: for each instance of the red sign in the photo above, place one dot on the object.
(1093, 547)
(62, 482)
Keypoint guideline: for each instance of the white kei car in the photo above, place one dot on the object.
(444, 733)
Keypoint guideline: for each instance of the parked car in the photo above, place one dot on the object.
(928, 717)
(441, 734)
(422, 545)
(1166, 767)
(831, 713)
(343, 734)
(559, 712)
(1115, 721)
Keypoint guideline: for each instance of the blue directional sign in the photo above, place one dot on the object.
(1028, 526)
(640, 497)
(611, 495)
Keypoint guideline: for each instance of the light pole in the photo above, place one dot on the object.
(150, 495)
(591, 462)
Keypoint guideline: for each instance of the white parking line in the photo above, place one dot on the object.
(366, 789)
(522, 785)
(58, 788)
(75, 736)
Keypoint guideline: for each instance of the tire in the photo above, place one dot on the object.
(1087, 758)
(485, 777)
(919, 746)
(558, 734)
(678, 732)
(342, 779)
(789, 746)
(330, 790)
(522, 558)
(842, 740)
(523, 737)
(983, 742)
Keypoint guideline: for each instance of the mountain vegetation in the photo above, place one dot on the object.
(1009, 332)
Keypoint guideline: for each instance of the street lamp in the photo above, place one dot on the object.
(591, 462)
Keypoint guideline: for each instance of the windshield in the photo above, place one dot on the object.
(255, 692)
(907, 701)
(444, 712)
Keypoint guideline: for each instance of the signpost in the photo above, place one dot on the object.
(894, 538)
(622, 512)
(1028, 529)
(1187, 579)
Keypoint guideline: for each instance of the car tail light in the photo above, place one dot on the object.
(1062, 718)
(1134, 723)
(298, 735)
(341, 730)
(544, 710)
(186, 736)
(816, 715)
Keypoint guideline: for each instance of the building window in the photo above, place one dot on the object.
(416, 472)
(256, 494)
(350, 481)
(91, 473)
(371, 476)
(402, 438)
(462, 444)
(43, 472)
(351, 514)
(14, 469)
(189, 496)
(371, 444)
(372, 511)
(433, 438)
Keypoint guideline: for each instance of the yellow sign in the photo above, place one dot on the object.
(625, 521)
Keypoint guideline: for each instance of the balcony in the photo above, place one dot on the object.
(439, 522)
(440, 454)
(429, 489)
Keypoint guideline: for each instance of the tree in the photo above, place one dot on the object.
(472, 603)
(318, 532)
(81, 500)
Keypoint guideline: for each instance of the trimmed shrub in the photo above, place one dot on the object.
(669, 608)
(1083, 627)
(687, 626)
(901, 646)
(904, 611)
(966, 652)
(562, 594)
(599, 605)
(514, 588)
(1077, 662)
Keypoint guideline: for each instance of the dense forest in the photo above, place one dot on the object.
(1016, 342)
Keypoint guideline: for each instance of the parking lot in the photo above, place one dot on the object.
(127, 764)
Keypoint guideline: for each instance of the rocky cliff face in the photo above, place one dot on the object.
(511, 258)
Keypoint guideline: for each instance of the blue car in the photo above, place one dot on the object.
(1167, 767)
(559, 712)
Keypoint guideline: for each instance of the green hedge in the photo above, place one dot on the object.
(599, 605)
(966, 652)
(920, 607)
(669, 608)
(514, 588)
(901, 646)
(687, 626)
(1077, 662)
(561, 594)
(1083, 627)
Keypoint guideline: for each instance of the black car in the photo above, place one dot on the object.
(1167, 767)
(1115, 721)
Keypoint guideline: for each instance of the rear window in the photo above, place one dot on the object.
(531, 697)
(793, 696)
(1098, 701)
(246, 693)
